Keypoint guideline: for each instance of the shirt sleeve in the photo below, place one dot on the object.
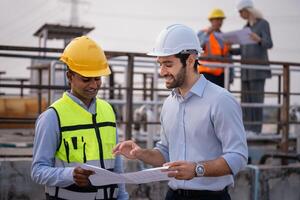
(266, 39)
(229, 128)
(122, 194)
(163, 145)
(203, 37)
(46, 142)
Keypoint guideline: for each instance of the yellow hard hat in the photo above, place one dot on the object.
(85, 57)
(216, 13)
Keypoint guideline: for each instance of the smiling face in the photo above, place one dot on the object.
(172, 70)
(84, 88)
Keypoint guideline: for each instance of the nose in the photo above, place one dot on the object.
(95, 83)
(162, 71)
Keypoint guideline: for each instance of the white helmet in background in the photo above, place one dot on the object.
(244, 4)
(175, 39)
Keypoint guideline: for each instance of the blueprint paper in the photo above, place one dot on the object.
(105, 177)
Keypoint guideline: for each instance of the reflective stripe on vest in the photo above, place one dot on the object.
(109, 163)
(85, 138)
(213, 48)
(66, 194)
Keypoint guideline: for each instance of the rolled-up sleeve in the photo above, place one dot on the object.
(229, 128)
(203, 37)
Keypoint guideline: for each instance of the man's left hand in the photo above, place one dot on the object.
(181, 170)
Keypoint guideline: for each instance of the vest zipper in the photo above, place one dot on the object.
(99, 140)
(100, 149)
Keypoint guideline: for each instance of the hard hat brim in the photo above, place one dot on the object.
(90, 73)
(210, 18)
(160, 54)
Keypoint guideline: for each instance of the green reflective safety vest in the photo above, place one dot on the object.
(85, 138)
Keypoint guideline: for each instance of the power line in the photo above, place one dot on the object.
(30, 25)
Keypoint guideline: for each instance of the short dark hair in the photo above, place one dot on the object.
(183, 56)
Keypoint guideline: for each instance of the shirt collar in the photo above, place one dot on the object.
(197, 89)
(92, 106)
(199, 86)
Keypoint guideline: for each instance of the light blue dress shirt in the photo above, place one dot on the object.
(203, 125)
(46, 141)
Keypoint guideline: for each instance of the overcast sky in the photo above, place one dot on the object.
(132, 25)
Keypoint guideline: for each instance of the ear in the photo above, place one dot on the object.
(191, 60)
(69, 75)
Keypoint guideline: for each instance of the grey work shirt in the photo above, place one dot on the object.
(257, 51)
(203, 125)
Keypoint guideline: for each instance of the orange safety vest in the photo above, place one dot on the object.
(213, 48)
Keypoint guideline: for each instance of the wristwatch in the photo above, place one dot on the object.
(200, 170)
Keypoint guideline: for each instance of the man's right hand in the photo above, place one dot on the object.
(129, 149)
(81, 176)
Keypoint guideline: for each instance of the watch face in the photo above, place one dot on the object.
(200, 170)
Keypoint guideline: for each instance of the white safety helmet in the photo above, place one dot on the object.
(175, 39)
(244, 4)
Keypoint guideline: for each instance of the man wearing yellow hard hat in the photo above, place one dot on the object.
(213, 47)
(78, 128)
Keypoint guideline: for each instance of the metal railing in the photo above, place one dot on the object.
(132, 60)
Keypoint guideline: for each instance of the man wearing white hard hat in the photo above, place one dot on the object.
(202, 135)
(253, 80)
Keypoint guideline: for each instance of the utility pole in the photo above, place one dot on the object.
(74, 16)
(74, 11)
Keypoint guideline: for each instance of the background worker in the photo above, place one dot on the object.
(253, 80)
(77, 128)
(214, 47)
(202, 135)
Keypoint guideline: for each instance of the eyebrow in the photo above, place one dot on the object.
(165, 62)
(82, 77)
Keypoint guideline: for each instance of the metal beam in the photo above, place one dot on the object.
(285, 109)
(129, 104)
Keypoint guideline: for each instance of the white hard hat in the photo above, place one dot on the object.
(244, 4)
(175, 39)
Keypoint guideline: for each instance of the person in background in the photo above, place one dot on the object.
(78, 128)
(214, 46)
(202, 134)
(253, 80)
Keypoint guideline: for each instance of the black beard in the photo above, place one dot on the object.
(179, 79)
